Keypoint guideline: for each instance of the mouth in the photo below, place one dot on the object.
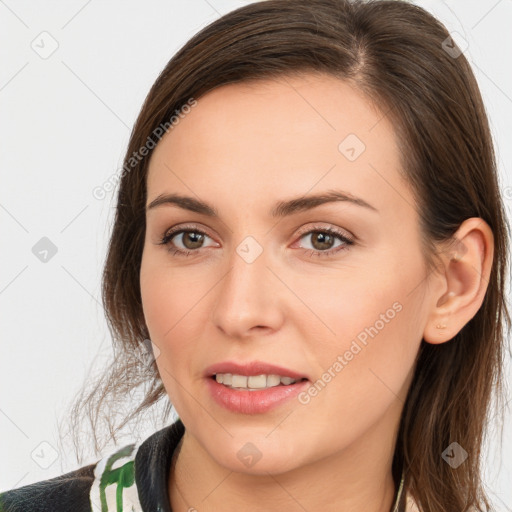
(253, 394)
(254, 382)
(253, 388)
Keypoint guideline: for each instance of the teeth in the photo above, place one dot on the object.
(253, 382)
(273, 380)
(239, 381)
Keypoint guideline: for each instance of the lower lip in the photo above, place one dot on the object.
(254, 402)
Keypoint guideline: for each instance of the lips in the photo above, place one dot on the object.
(255, 401)
(253, 368)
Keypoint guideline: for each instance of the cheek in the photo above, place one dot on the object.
(341, 308)
(166, 295)
(173, 311)
(379, 301)
(367, 343)
(163, 308)
(156, 303)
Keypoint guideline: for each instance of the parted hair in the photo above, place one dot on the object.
(403, 60)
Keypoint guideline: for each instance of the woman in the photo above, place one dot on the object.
(310, 232)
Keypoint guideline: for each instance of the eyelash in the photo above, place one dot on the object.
(166, 239)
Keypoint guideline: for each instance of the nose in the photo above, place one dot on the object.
(247, 298)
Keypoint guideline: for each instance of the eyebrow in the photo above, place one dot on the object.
(281, 208)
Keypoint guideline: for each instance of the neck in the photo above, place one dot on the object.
(357, 478)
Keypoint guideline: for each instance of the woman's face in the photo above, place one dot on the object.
(264, 282)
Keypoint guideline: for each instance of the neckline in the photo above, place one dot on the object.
(155, 456)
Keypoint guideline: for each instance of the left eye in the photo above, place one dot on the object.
(323, 239)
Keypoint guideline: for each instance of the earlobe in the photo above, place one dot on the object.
(464, 278)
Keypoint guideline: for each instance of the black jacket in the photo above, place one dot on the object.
(135, 476)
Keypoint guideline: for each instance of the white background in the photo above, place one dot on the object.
(64, 126)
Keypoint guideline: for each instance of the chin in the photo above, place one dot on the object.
(256, 455)
(274, 465)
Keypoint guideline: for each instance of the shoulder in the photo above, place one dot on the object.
(132, 478)
(65, 492)
(82, 490)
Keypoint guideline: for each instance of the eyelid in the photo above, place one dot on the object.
(302, 231)
(327, 227)
(187, 227)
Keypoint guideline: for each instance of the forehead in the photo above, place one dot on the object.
(288, 135)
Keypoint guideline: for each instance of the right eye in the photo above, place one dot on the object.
(192, 236)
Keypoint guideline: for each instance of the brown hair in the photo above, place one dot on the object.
(393, 51)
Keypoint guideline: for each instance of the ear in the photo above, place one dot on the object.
(463, 278)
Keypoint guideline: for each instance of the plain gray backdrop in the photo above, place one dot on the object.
(73, 77)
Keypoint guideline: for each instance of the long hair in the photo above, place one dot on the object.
(404, 61)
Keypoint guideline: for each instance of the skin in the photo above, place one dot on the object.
(243, 148)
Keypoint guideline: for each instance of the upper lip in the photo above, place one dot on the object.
(252, 368)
